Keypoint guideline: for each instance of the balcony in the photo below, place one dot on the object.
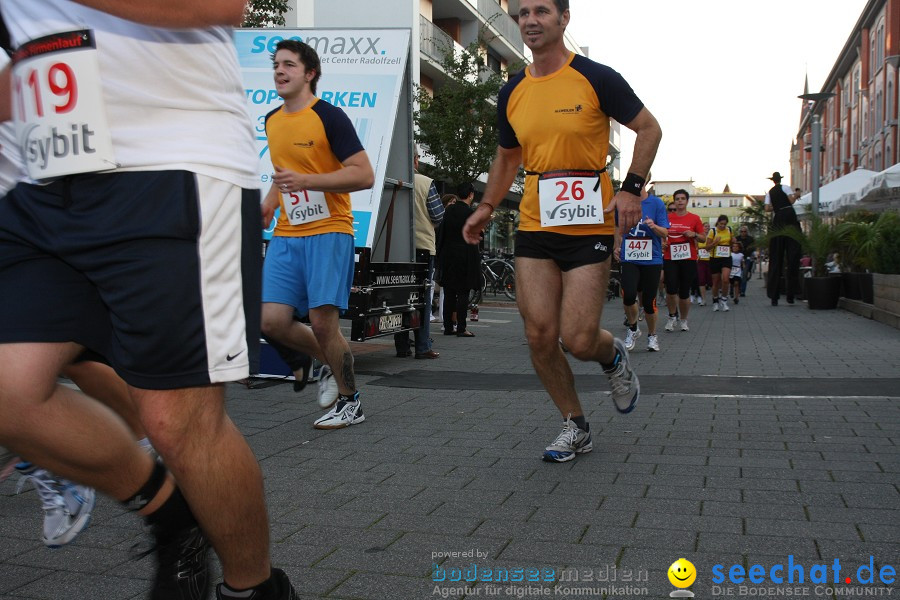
(433, 41)
(502, 22)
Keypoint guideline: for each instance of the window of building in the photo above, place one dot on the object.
(494, 61)
(879, 114)
(879, 47)
(872, 59)
(856, 85)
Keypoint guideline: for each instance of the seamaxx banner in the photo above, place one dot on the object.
(362, 71)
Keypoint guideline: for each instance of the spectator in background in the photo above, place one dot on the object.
(784, 252)
(460, 262)
(428, 213)
(749, 246)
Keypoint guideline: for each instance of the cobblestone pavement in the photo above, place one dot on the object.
(763, 433)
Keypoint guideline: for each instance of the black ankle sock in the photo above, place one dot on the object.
(612, 365)
(350, 398)
(173, 516)
(581, 423)
(267, 589)
(633, 326)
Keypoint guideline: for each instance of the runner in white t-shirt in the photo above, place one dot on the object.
(141, 243)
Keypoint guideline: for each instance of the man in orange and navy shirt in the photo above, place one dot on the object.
(554, 120)
(318, 161)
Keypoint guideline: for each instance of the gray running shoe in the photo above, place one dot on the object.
(630, 337)
(568, 443)
(624, 384)
(67, 507)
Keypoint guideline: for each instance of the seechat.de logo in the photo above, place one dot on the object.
(795, 572)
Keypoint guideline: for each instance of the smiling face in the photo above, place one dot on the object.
(682, 573)
(541, 24)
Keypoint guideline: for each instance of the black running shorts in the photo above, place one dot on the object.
(568, 251)
(151, 269)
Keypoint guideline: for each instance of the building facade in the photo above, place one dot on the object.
(860, 118)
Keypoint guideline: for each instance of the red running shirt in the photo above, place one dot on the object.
(677, 227)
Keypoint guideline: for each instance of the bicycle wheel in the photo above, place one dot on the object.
(509, 285)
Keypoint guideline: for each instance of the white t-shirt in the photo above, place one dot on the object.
(11, 168)
(173, 97)
(787, 190)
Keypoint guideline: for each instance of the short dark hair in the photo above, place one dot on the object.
(685, 192)
(308, 56)
(722, 218)
(464, 189)
(562, 5)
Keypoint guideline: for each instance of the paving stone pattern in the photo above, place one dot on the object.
(720, 477)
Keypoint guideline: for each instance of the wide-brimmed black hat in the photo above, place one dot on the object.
(776, 176)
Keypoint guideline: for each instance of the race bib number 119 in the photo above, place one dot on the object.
(58, 108)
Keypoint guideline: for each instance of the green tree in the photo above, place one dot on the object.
(457, 125)
(756, 217)
(265, 13)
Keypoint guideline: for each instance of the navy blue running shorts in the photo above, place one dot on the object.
(158, 271)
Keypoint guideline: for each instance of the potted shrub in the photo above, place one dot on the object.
(887, 264)
(819, 241)
(859, 235)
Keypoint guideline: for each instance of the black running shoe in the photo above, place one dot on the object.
(285, 591)
(183, 566)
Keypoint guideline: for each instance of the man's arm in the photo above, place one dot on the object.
(356, 174)
(173, 13)
(435, 206)
(500, 177)
(649, 135)
(269, 204)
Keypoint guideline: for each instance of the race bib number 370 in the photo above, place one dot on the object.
(570, 198)
(58, 108)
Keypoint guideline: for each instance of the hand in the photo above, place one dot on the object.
(287, 180)
(617, 252)
(475, 225)
(629, 207)
(649, 222)
(267, 208)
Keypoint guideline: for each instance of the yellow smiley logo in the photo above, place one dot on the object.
(682, 573)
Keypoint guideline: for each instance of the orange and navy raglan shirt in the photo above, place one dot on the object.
(316, 139)
(561, 121)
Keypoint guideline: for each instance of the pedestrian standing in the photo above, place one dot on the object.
(784, 252)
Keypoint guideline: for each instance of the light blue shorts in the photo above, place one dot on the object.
(308, 272)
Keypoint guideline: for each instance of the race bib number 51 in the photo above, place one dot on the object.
(570, 198)
(58, 106)
(305, 206)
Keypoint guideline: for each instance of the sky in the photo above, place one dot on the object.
(721, 77)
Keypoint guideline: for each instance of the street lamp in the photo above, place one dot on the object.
(816, 130)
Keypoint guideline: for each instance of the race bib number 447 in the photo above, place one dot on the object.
(570, 198)
(58, 108)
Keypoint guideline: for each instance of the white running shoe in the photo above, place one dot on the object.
(724, 302)
(631, 336)
(67, 506)
(670, 323)
(328, 388)
(342, 415)
(715, 305)
(700, 301)
(692, 298)
(641, 314)
(684, 326)
(624, 384)
(568, 443)
(652, 343)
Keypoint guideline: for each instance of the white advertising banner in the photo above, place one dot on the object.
(362, 74)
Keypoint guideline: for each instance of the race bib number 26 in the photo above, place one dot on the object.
(58, 108)
(570, 198)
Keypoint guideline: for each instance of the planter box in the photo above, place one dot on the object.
(858, 286)
(887, 292)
